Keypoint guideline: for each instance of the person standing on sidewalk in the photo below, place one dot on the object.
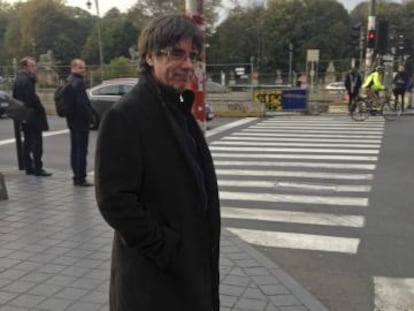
(78, 122)
(24, 89)
(353, 82)
(156, 184)
(400, 84)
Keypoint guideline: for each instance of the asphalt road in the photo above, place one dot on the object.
(326, 198)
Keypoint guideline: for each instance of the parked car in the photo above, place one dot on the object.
(106, 94)
(3, 103)
(336, 87)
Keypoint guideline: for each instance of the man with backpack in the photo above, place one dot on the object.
(400, 84)
(78, 117)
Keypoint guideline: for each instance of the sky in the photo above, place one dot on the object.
(124, 5)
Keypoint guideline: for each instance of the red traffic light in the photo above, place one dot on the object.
(371, 39)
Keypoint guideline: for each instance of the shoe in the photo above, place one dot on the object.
(83, 183)
(29, 172)
(42, 173)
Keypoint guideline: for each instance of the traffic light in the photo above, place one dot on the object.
(371, 38)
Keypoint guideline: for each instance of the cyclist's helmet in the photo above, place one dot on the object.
(380, 68)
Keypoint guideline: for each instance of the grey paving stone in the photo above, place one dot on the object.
(256, 271)
(55, 304)
(236, 280)
(294, 308)
(12, 274)
(285, 300)
(237, 271)
(26, 300)
(6, 296)
(231, 290)
(19, 286)
(11, 308)
(227, 301)
(247, 263)
(45, 290)
(265, 280)
(86, 283)
(71, 293)
(61, 280)
(96, 297)
(272, 290)
(254, 293)
(84, 306)
(36, 277)
(251, 304)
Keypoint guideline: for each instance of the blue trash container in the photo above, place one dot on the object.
(294, 98)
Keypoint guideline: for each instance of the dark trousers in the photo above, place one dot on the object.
(32, 149)
(351, 97)
(79, 138)
(399, 93)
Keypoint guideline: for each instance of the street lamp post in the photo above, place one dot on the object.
(89, 4)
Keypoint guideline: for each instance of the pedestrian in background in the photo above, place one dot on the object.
(353, 82)
(400, 84)
(24, 89)
(78, 122)
(156, 184)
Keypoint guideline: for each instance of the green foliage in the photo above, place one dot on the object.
(120, 67)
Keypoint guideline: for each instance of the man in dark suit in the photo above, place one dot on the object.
(156, 184)
(78, 122)
(24, 89)
(353, 82)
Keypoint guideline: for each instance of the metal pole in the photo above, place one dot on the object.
(290, 63)
(371, 26)
(101, 61)
(194, 9)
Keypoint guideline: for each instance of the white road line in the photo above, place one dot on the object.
(246, 132)
(44, 134)
(325, 128)
(393, 294)
(314, 131)
(347, 166)
(293, 186)
(298, 240)
(297, 198)
(299, 174)
(320, 219)
(321, 121)
(295, 156)
(296, 144)
(296, 150)
(323, 124)
(229, 126)
(235, 137)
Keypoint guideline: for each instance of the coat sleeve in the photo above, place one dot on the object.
(118, 177)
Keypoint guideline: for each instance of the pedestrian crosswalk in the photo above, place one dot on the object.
(314, 173)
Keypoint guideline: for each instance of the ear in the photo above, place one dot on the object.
(149, 59)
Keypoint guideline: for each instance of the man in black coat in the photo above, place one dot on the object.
(353, 82)
(156, 184)
(24, 89)
(78, 122)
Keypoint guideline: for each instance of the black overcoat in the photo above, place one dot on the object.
(166, 221)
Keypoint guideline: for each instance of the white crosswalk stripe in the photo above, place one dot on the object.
(278, 171)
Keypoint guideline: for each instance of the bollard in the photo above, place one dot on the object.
(3, 189)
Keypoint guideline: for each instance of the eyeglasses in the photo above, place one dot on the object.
(180, 55)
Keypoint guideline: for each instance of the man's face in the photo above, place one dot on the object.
(174, 66)
(31, 67)
(79, 68)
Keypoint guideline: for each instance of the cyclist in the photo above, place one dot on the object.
(373, 83)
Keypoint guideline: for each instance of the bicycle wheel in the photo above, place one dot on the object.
(360, 112)
(391, 111)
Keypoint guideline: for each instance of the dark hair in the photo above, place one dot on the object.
(166, 31)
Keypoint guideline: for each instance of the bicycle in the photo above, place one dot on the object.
(362, 107)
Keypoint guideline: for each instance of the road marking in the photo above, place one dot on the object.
(295, 144)
(314, 131)
(296, 198)
(326, 129)
(44, 134)
(297, 150)
(295, 156)
(297, 240)
(319, 219)
(294, 186)
(235, 137)
(350, 166)
(229, 126)
(302, 135)
(393, 294)
(300, 174)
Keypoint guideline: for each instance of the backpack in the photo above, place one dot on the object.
(64, 106)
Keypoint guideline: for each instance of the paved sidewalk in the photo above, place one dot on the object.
(55, 255)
